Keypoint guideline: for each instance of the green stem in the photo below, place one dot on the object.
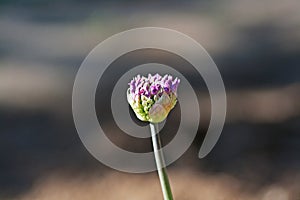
(160, 162)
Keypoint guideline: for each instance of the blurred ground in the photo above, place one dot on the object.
(186, 185)
(255, 44)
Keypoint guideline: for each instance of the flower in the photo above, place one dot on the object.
(152, 98)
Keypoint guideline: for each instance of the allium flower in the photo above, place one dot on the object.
(152, 98)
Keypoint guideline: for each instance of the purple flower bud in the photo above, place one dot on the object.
(175, 84)
(167, 89)
(153, 97)
(154, 89)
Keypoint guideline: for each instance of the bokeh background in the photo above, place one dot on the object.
(255, 44)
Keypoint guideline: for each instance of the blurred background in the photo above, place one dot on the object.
(256, 46)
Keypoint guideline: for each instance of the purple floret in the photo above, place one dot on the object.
(153, 85)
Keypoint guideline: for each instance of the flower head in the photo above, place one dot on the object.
(152, 97)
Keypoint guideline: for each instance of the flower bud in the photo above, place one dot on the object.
(152, 98)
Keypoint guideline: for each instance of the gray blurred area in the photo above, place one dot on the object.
(256, 46)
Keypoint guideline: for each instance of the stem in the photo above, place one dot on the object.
(160, 162)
